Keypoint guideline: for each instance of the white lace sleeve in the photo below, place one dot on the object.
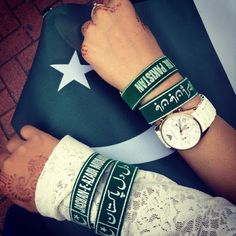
(157, 205)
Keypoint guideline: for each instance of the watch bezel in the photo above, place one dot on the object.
(189, 116)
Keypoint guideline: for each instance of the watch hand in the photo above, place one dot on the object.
(180, 127)
(184, 127)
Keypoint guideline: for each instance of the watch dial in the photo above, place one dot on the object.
(181, 131)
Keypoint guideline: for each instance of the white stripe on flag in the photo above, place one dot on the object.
(219, 18)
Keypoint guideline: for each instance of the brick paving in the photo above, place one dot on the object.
(20, 25)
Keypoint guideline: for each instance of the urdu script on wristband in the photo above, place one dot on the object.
(114, 198)
(168, 101)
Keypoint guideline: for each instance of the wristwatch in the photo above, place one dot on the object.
(182, 130)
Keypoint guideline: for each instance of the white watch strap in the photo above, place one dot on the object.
(205, 113)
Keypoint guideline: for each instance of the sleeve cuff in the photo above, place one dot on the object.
(58, 176)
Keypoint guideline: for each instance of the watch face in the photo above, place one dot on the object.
(181, 131)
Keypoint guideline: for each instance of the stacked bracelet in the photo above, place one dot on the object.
(168, 101)
(114, 199)
(147, 80)
(85, 187)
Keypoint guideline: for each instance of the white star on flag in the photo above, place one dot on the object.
(73, 71)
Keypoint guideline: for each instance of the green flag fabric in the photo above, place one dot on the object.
(63, 95)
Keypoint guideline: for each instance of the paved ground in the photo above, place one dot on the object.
(20, 24)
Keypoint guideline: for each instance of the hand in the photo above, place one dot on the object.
(88, 1)
(22, 166)
(117, 44)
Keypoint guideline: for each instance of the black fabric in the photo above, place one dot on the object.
(20, 222)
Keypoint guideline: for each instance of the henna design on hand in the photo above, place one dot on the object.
(22, 188)
(115, 7)
(84, 50)
(16, 187)
(36, 165)
(110, 9)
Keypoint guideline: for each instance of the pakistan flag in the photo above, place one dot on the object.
(64, 95)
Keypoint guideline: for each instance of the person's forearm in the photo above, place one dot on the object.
(214, 157)
(120, 58)
(154, 205)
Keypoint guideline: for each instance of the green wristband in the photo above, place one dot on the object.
(168, 101)
(85, 187)
(114, 199)
(147, 80)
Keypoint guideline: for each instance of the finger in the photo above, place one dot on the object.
(84, 50)
(3, 157)
(3, 149)
(108, 2)
(98, 1)
(85, 27)
(14, 143)
(95, 9)
(29, 131)
(123, 8)
(100, 13)
(112, 3)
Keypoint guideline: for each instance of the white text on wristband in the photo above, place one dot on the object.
(85, 188)
(152, 76)
(115, 199)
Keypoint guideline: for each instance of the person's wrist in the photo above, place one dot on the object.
(130, 74)
(165, 85)
(172, 80)
(61, 169)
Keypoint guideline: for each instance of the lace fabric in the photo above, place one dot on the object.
(58, 176)
(157, 205)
